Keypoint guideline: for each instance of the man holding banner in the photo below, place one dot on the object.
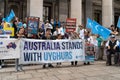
(48, 36)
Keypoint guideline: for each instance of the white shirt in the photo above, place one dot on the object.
(93, 40)
(55, 33)
(48, 25)
(117, 43)
(61, 31)
(81, 34)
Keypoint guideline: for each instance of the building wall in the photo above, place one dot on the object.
(2, 7)
(61, 9)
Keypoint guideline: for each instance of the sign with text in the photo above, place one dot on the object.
(9, 48)
(32, 24)
(41, 51)
(9, 31)
(70, 24)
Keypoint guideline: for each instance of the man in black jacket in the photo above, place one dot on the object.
(112, 46)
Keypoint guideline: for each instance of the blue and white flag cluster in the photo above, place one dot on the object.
(98, 29)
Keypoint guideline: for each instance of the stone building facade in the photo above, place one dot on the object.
(106, 12)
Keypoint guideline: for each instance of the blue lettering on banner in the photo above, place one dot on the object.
(41, 45)
(72, 45)
(32, 56)
(53, 56)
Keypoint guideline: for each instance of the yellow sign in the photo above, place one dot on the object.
(9, 31)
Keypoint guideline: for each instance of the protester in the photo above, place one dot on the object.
(99, 49)
(61, 31)
(72, 36)
(111, 46)
(59, 37)
(40, 32)
(0, 17)
(86, 34)
(4, 23)
(20, 34)
(57, 22)
(81, 33)
(52, 23)
(15, 28)
(25, 24)
(48, 25)
(56, 32)
(47, 36)
(78, 29)
(114, 30)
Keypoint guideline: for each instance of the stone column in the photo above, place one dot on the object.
(53, 10)
(35, 8)
(76, 10)
(88, 9)
(107, 13)
(63, 10)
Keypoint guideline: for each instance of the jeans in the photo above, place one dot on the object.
(17, 65)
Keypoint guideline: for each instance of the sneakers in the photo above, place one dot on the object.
(44, 66)
(51, 66)
(19, 69)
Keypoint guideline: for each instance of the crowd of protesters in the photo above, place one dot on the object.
(55, 30)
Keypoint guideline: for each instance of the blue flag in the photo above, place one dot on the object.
(118, 24)
(95, 25)
(11, 16)
(89, 23)
(104, 32)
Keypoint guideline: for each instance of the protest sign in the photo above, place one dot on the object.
(9, 31)
(89, 52)
(70, 24)
(41, 51)
(9, 48)
(32, 25)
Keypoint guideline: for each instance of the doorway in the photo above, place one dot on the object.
(46, 13)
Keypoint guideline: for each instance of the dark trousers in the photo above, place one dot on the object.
(109, 56)
(49, 65)
(0, 62)
(74, 63)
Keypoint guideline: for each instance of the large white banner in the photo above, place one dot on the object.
(9, 48)
(51, 51)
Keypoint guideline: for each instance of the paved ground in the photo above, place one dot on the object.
(96, 71)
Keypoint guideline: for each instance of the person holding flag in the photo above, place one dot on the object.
(114, 30)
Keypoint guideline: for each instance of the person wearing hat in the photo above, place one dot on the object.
(48, 25)
(112, 46)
